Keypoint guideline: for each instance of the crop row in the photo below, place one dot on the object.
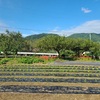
(50, 74)
(48, 70)
(74, 68)
(51, 89)
(49, 67)
(69, 80)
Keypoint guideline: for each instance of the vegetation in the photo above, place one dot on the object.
(11, 43)
(67, 48)
(38, 36)
(50, 79)
(93, 36)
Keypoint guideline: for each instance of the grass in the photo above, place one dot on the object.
(26, 60)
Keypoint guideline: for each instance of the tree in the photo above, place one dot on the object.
(81, 45)
(4, 43)
(11, 42)
(56, 43)
(77, 46)
(17, 42)
(95, 50)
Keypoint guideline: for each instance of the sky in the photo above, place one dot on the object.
(63, 17)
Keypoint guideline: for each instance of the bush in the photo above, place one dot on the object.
(37, 60)
(68, 55)
(26, 60)
(4, 61)
(30, 60)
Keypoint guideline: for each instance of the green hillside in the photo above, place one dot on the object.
(93, 36)
(38, 36)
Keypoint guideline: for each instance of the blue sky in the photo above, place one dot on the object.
(63, 17)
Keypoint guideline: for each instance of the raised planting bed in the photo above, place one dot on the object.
(51, 89)
(50, 74)
(50, 67)
(49, 70)
(69, 80)
(69, 68)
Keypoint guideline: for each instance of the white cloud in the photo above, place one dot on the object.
(87, 27)
(55, 29)
(86, 10)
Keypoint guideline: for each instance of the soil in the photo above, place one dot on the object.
(29, 96)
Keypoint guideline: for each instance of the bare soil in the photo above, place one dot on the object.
(29, 96)
(50, 84)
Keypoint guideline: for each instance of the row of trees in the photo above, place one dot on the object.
(12, 42)
(65, 46)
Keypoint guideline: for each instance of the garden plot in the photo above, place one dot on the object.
(50, 74)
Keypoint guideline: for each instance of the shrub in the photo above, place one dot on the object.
(26, 60)
(30, 60)
(4, 61)
(37, 60)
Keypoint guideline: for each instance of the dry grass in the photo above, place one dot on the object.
(29, 96)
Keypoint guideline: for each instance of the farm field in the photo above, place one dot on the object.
(49, 82)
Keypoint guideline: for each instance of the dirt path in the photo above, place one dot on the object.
(87, 63)
(28, 96)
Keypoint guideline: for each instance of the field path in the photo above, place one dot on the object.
(64, 63)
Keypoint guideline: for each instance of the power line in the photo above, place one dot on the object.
(5, 27)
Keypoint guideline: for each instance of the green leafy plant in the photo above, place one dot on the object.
(4, 61)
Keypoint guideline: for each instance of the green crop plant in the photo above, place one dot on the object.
(85, 80)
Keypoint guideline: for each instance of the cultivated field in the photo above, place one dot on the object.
(42, 82)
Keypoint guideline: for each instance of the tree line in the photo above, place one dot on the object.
(69, 46)
(12, 42)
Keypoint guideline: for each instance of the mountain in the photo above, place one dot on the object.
(93, 36)
(38, 36)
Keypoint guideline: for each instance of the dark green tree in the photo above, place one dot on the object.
(56, 43)
(4, 43)
(11, 42)
(17, 42)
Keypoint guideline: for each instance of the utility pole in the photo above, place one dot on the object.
(90, 36)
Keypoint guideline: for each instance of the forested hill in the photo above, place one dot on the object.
(94, 37)
(38, 36)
